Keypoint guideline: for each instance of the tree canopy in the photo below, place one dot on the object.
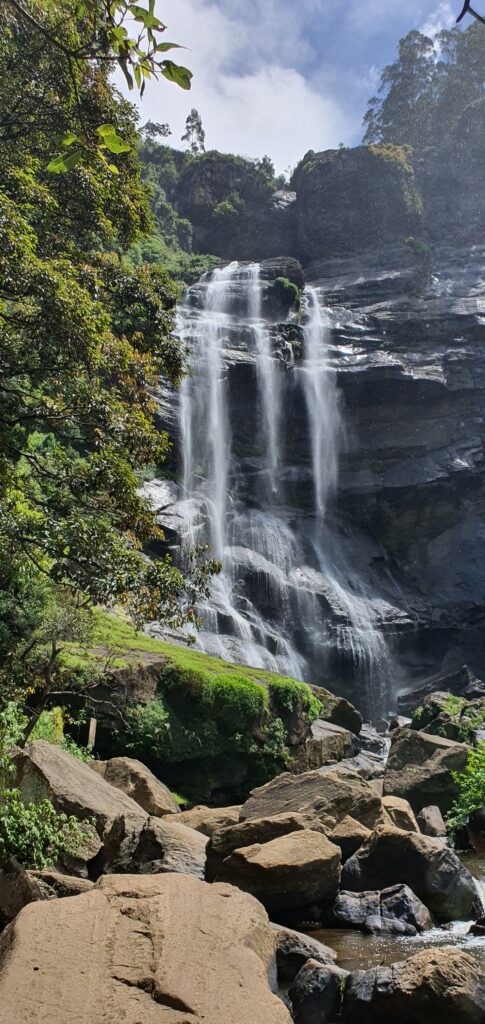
(84, 336)
(431, 92)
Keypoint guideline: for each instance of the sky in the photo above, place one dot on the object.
(280, 77)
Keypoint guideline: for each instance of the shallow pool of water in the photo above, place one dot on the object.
(357, 951)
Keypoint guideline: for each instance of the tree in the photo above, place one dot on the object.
(84, 338)
(152, 131)
(86, 36)
(194, 133)
(401, 112)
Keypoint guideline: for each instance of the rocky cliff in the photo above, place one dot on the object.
(393, 241)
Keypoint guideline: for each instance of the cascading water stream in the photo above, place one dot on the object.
(282, 567)
(360, 637)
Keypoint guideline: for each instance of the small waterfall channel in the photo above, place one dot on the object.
(287, 599)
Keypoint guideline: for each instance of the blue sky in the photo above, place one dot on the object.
(283, 76)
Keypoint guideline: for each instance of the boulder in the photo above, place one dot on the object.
(326, 744)
(152, 846)
(431, 822)
(419, 768)
(396, 903)
(247, 833)
(318, 794)
(461, 682)
(430, 987)
(209, 820)
(376, 925)
(399, 722)
(372, 741)
(293, 949)
(431, 870)
(338, 710)
(316, 994)
(167, 947)
(19, 887)
(349, 835)
(44, 770)
(365, 764)
(138, 782)
(400, 812)
(298, 870)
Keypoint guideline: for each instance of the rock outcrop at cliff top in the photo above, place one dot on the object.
(166, 947)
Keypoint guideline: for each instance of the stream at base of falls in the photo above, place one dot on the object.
(290, 597)
(358, 952)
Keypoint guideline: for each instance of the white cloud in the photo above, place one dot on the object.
(442, 18)
(251, 99)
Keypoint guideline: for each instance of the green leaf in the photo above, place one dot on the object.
(62, 163)
(115, 144)
(176, 73)
(106, 129)
(113, 168)
(163, 47)
(68, 139)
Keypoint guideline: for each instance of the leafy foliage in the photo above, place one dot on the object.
(432, 93)
(36, 834)
(194, 134)
(471, 785)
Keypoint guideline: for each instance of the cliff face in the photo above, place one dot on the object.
(394, 244)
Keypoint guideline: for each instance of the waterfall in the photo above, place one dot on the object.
(287, 599)
(360, 637)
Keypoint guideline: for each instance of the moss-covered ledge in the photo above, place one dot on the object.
(208, 728)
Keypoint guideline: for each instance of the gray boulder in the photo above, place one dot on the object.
(396, 903)
(431, 870)
(293, 949)
(376, 925)
(431, 822)
(316, 994)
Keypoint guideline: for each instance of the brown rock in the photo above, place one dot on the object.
(419, 768)
(400, 812)
(430, 869)
(153, 845)
(349, 835)
(138, 782)
(19, 887)
(44, 770)
(298, 870)
(430, 987)
(209, 819)
(141, 949)
(247, 833)
(326, 744)
(318, 794)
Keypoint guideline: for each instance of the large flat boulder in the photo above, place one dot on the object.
(319, 794)
(209, 820)
(247, 833)
(430, 987)
(419, 768)
(153, 845)
(138, 782)
(44, 770)
(431, 870)
(141, 949)
(298, 870)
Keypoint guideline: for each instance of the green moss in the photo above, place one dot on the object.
(287, 292)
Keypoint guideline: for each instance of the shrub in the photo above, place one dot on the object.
(36, 834)
(287, 292)
(471, 790)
